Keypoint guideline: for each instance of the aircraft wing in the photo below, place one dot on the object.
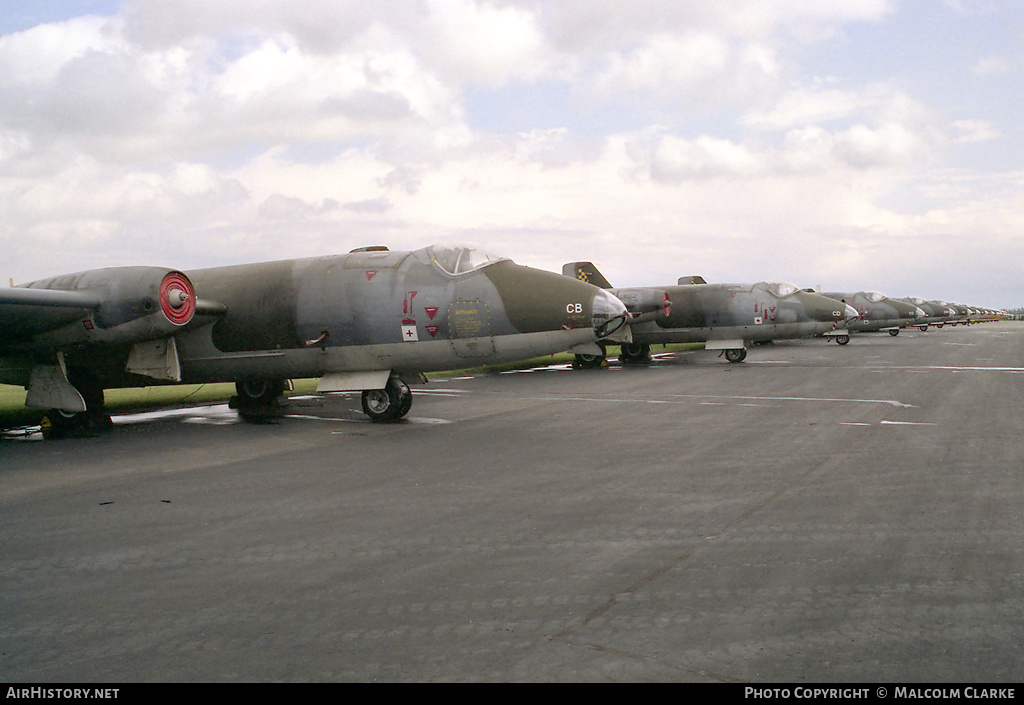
(141, 308)
(48, 297)
(100, 306)
(28, 312)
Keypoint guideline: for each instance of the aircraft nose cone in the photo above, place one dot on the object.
(177, 298)
(609, 316)
(919, 313)
(851, 313)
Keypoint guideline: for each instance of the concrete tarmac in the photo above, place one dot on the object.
(817, 514)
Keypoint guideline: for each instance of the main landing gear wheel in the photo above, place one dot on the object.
(58, 423)
(635, 353)
(590, 362)
(259, 399)
(389, 404)
(736, 354)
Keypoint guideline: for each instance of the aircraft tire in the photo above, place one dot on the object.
(259, 392)
(62, 424)
(634, 353)
(588, 362)
(406, 403)
(389, 404)
(842, 339)
(258, 400)
(923, 328)
(736, 354)
(894, 332)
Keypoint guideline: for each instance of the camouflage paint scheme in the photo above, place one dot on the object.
(369, 320)
(936, 313)
(877, 312)
(724, 316)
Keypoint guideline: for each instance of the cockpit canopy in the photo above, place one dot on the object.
(781, 289)
(460, 259)
(873, 296)
(777, 289)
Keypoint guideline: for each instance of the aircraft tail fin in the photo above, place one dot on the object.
(586, 271)
(692, 279)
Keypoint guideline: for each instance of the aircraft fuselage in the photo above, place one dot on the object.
(745, 312)
(359, 320)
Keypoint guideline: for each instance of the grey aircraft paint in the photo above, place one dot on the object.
(935, 313)
(372, 321)
(724, 316)
(877, 312)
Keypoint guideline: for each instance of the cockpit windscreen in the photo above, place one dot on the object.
(458, 259)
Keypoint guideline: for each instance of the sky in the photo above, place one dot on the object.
(847, 144)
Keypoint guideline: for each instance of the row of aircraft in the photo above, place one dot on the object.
(374, 321)
(729, 317)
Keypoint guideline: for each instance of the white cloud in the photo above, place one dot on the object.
(665, 63)
(803, 106)
(482, 43)
(714, 136)
(974, 131)
(993, 66)
(888, 145)
(674, 158)
(806, 106)
(38, 54)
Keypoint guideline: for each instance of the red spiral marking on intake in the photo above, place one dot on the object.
(183, 313)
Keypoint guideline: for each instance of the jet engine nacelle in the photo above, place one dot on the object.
(120, 304)
(643, 304)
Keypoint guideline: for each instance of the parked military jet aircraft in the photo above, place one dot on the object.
(724, 316)
(878, 312)
(961, 313)
(987, 315)
(935, 313)
(372, 321)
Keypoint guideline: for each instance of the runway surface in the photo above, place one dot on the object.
(817, 514)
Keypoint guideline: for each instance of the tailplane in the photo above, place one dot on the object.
(587, 272)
